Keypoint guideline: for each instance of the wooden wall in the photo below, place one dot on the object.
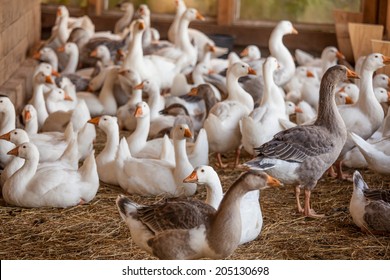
(20, 27)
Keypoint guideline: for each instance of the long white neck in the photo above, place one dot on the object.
(137, 140)
(31, 126)
(63, 31)
(14, 188)
(197, 76)
(136, 97)
(367, 95)
(156, 104)
(106, 95)
(53, 61)
(183, 42)
(237, 93)
(271, 94)
(38, 101)
(73, 60)
(183, 166)
(112, 142)
(135, 53)
(214, 191)
(173, 29)
(7, 121)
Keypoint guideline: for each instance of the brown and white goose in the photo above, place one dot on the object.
(191, 229)
(300, 155)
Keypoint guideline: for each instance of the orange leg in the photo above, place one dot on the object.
(238, 153)
(297, 193)
(219, 161)
(309, 212)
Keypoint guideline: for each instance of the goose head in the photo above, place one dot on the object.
(291, 108)
(240, 69)
(46, 68)
(41, 78)
(250, 181)
(62, 11)
(5, 104)
(148, 86)
(382, 94)
(141, 110)
(100, 51)
(343, 98)
(16, 136)
(29, 113)
(45, 54)
(270, 65)
(143, 11)
(105, 123)
(58, 94)
(375, 61)
(285, 27)
(252, 52)
(331, 54)
(131, 77)
(181, 131)
(192, 14)
(69, 48)
(137, 26)
(202, 69)
(25, 150)
(202, 174)
(381, 80)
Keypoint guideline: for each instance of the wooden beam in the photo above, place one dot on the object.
(370, 11)
(227, 11)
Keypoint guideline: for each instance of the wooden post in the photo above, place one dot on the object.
(95, 7)
(227, 11)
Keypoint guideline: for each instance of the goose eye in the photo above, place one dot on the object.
(1, 101)
(15, 132)
(376, 56)
(243, 66)
(104, 119)
(24, 146)
(202, 170)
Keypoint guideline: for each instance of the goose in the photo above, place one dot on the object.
(308, 113)
(7, 123)
(183, 50)
(105, 103)
(222, 123)
(49, 187)
(251, 216)
(105, 160)
(352, 90)
(195, 232)
(342, 98)
(263, 122)
(376, 155)
(301, 154)
(281, 53)
(369, 208)
(124, 21)
(69, 158)
(149, 66)
(137, 140)
(382, 95)
(297, 81)
(102, 53)
(55, 100)
(366, 115)
(381, 80)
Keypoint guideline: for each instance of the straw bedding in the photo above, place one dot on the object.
(96, 231)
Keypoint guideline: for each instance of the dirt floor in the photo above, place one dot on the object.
(96, 231)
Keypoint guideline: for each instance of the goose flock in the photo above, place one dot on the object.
(181, 104)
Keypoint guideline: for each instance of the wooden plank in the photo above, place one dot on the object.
(341, 19)
(382, 47)
(361, 35)
(227, 10)
(370, 11)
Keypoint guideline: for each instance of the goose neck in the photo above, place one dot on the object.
(155, 103)
(72, 62)
(140, 134)
(367, 89)
(214, 191)
(8, 120)
(180, 151)
(112, 142)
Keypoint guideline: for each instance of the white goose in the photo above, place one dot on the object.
(251, 216)
(7, 123)
(222, 123)
(105, 160)
(366, 115)
(49, 187)
(264, 122)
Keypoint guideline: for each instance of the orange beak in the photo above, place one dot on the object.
(342, 89)
(55, 73)
(352, 74)
(14, 151)
(245, 52)
(122, 72)
(388, 82)
(140, 86)
(388, 96)
(251, 71)
(27, 115)
(298, 110)
(59, 13)
(68, 97)
(48, 80)
(339, 55)
(271, 181)
(386, 59)
(348, 100)
(192, 178)
(193, 92)
(294, 31)
(93, 53)
(94, 121)
(141, 25)
(6, 136)
(138, 112)
(187, 133)
(211, 71)
(61, 49)
(199, 16)
(212, 48)
(37, 55)
(309, 74)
